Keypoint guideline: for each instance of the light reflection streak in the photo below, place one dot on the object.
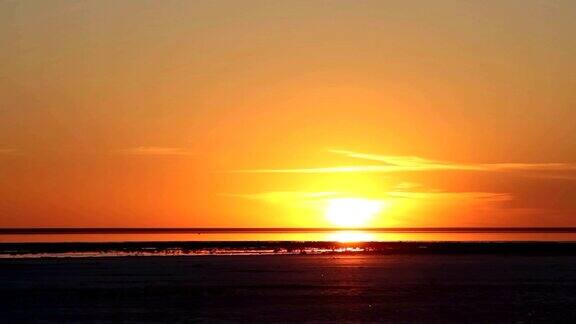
(337, 235)
(350, 236)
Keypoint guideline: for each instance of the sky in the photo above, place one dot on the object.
(287, 113)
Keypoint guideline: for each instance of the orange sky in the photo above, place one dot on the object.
(266, 113)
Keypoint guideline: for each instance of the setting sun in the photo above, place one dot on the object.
(352, 212)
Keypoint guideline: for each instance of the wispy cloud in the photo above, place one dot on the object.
(338, 169)
(283, 196)
(442, 195)
(9, 151)
(393, 163)
(566, 177)
(429, 195)
(422, 164)
(156, 151)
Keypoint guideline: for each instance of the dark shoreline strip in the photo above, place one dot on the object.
(382, 248)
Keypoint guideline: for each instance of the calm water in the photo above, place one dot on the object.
(340, 236)
(310, 288)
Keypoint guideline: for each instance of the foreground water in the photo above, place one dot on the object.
(405, 288)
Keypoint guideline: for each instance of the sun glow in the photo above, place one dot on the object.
(352, 212)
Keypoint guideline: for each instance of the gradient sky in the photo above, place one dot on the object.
(259, 113)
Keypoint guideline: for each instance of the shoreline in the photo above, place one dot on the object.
(255, 248)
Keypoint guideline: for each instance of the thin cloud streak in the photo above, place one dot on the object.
(283, 196)
(156, 151)
(414, 163)
(435, 195)
(339, 169)
(426, 164)
(9, 151)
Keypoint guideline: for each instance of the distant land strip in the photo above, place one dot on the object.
(215, 230)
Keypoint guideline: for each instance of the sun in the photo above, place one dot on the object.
(352, 212)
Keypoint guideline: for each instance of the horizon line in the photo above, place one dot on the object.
(210, 230)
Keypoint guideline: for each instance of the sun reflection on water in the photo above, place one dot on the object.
(350, 236)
